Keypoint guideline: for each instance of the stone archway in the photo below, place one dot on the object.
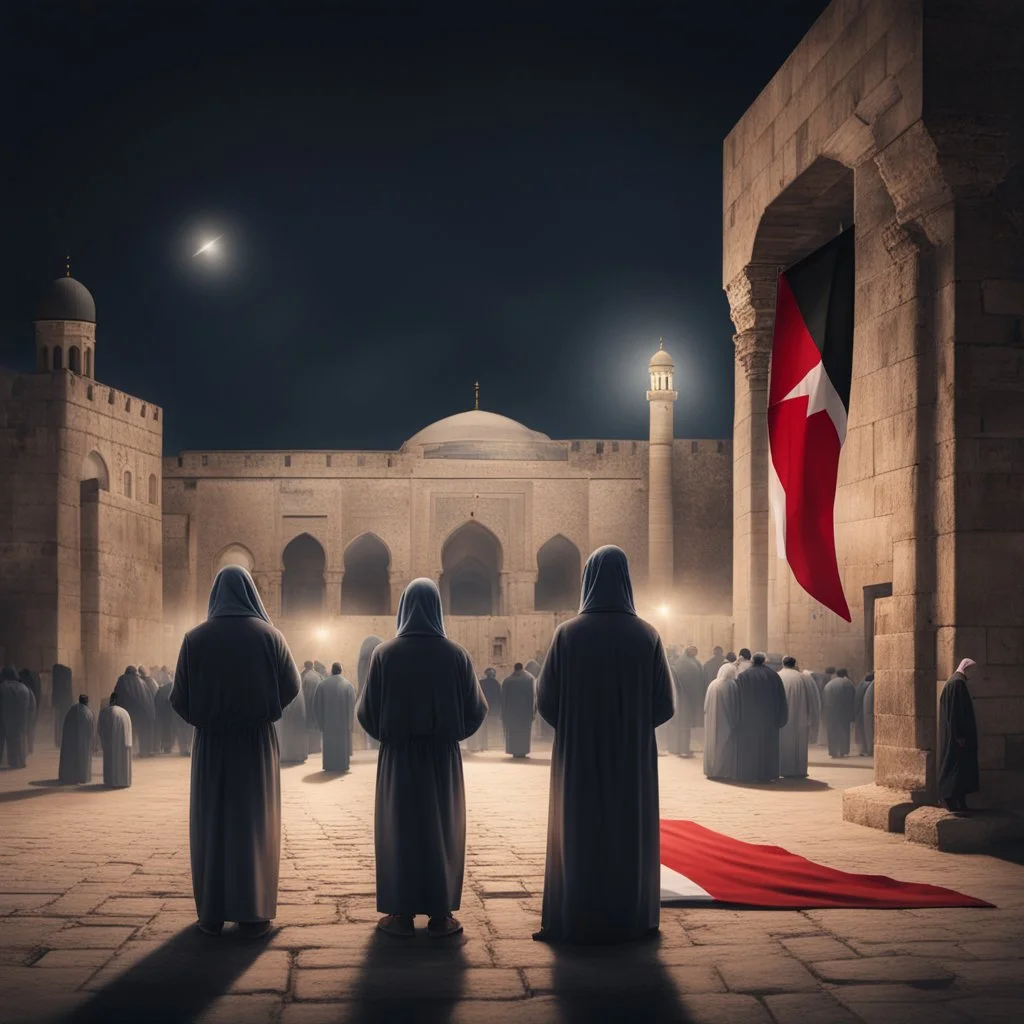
(365, 587)
(471, 562)
(302, 582)
(558, 576)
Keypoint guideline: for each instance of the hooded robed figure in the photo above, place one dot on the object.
(804, 708)
(63, 698)
(839, 707)
(334, 705)
(134, 696)
(721, 719)
(235, 674)
(366, 649)
(31, 680)
(491, 687)
(763, 712)
(605, 687)
(823, 679)
(690, 687)
(958, 741)
(420, 700)
(17, 710)
(151, 684)
(115, 729)
(76, 745)
(311, 680)
(858, 714)
(518, 709)
(712, 665)
(164, 717)
(869, 716)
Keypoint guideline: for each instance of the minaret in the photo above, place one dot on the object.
(659, 496)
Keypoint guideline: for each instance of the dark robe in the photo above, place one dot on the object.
(689, 676)
(544, 731)
(711, 667)
(63, 698)
(858, 714)
(184, 734)
(311, 680)
(763, 712)
(31, 680)
(115, 731)
(958, 740)
(518, 708)
(164, 718)
(293, 739)
(76, 746)
(135, 697)
(16, 712)
(491, 687)
(234, 676)
(838, 709)
(334, 704)
(421, 699)
(366, 649)
(869, 718)
(605, 687)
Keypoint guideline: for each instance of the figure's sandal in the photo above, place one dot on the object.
(398, 926)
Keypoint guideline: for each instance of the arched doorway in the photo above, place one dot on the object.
(365, 588)
(470, 568)
(234, 554)
(94, 468)
(302, 584)
(558, 576)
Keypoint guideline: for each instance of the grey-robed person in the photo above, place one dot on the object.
(839, 709)
(311, 680)
(234, 677)
(366, 649)
(823, 679)
(763, 712)
(605, 687)
(334, 705)
(801, 726)
(518, 710)
(31, 680)
(420, 700)
(869, 715)
(858, 714)
(76, 744)
(533, 666)
(63, 698)
(959, 774)
(17, 712)
(491, 687)
(690, 689)
(115, 730)
(164, 717)
(721, 719)
(712, 665)
(135, 697)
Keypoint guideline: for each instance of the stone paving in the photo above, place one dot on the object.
(97, 919)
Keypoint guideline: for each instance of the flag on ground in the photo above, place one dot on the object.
(808, 400)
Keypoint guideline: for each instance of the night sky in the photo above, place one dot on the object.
(528, 196)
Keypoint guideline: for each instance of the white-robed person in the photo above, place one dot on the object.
(803, 713)
(235, 674)
(721, 717)
(421, 699)
(115, 731)
(604, 688)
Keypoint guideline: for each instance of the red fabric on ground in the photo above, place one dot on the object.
(768, 876)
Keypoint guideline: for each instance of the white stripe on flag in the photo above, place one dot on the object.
(676, 887)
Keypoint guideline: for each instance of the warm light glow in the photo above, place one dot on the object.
(664, 610)
(209, 247)
(321, 633)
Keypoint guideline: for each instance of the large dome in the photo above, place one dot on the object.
(482, 435)
(67, 299)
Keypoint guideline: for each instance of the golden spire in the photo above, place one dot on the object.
(67, 265)
(476, 394)
(661, 344)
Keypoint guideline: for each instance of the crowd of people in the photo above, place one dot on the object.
(239, 706)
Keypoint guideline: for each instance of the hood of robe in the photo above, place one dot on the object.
(965, 665)
(9, 674)
(727, 671)
(606, 584)
(419, 610)
(234, 595)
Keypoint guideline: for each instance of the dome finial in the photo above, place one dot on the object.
(476, 394)
(67, 264)
(661, 344)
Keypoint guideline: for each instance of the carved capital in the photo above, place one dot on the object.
(751, 295)
(753, 353)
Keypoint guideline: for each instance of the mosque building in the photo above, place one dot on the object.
(108, 549)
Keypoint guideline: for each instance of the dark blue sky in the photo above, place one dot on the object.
(525, 195)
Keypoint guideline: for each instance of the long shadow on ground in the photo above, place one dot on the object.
(616, 983)
(415, 980)
(175, 983)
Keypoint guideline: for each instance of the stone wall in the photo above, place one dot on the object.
(872, 119)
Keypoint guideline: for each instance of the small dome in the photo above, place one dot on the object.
(67, 299)
(475, 425)
(661, 358)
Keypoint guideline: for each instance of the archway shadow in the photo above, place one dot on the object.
(595, 985)
(325, 776)
(175, 983)
(419, 980)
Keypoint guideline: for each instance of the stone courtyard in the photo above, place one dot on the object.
(97, 919)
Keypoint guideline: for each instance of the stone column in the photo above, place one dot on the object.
(332, 591)
(271, 592)
(397, 582)
(752, 306)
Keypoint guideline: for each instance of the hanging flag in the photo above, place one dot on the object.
(808, 400)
